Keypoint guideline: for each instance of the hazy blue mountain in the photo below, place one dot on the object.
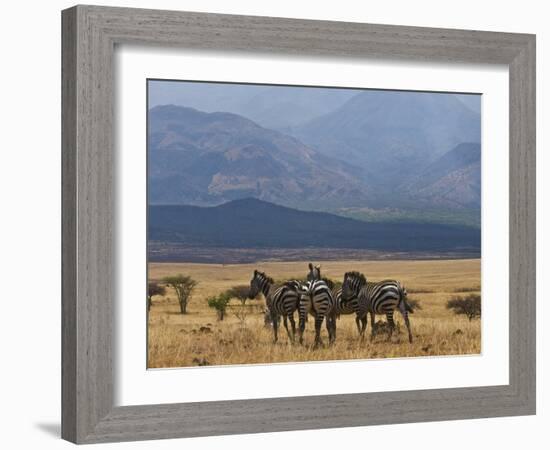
(209, 158)
(452, 181)
(252, 223)
(284, 108)
(390, 135)
(276, 107)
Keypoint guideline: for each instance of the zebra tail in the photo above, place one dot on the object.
(403, 299)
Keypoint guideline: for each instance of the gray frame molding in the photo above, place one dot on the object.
(89, 36)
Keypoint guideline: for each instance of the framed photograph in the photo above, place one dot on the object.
(278, 224)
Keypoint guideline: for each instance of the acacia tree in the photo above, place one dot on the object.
(470, 305)
(184, 286)
(239, 292)
(241, 311)
(152, 290)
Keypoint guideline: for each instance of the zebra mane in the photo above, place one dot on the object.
(263, 275)
(356, 275)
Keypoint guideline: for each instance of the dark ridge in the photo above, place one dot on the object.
(253, 223)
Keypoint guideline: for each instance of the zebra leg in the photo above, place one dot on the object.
(293, 327)
(285, 323)
(302, 326)
(318, 323)
(275, 319)
(405, 314)
(391, 323)
(331, 328)
(363, 321)
(372, 325)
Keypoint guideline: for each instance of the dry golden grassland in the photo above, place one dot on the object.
(198, 338)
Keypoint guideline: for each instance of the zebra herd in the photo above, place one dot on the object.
(319, 298)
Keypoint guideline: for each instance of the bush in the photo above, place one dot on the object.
(470, 305)
(219, 303)
(152, 290)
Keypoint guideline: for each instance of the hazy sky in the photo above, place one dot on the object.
(238, 98)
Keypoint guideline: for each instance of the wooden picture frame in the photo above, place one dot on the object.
(90, 34)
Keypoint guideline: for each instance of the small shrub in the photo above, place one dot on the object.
(470, 306)
(219, 303)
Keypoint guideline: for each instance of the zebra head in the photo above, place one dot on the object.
(353, 282)
(260, 282)
(314, 272)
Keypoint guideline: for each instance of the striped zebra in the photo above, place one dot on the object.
(341, 305)
(381, 297)
(280, 301)
(349, 305)
(316, 299)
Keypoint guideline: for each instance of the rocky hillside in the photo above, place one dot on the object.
(210, 158)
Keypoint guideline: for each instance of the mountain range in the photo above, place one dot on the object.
(204, 159)
(209, 158)
(393, 136)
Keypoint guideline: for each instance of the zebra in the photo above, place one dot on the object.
(341, 305)
(349, 305)
(316, 299)
(280, 301)
(381, 297)
(314, 272)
